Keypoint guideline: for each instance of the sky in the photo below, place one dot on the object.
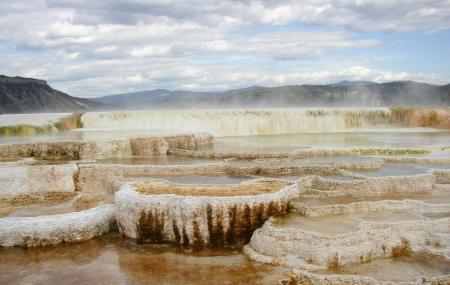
(91, 48)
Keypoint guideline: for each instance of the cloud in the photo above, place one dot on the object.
(375, 15)
(89, 48)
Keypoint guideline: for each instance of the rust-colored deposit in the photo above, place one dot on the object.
(422, 117)
(233, 226)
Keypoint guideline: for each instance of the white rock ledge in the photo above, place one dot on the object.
(301, 277)
(196, 220)
(368, 186)
(21, 178)
(312, 250)
(54, 229)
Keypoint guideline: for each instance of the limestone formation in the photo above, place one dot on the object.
(312, 250)
(368, 186)
(21, 179)
(54, 229)
(314, 224)
(199, 215)
(75, 150)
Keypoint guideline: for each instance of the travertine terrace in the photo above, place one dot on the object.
(334, 196)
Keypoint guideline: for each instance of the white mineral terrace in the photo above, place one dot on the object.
(242, 122)
(332, 196)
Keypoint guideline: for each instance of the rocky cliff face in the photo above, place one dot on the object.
(26, 95)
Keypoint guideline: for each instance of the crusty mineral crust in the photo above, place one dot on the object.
(74, 150)
(160, 145)
(100, 177)
(296, 153)
(19, 179)
(365, 207)
(442, 176)
(54, 229)
(421, 117)
(197, 220)
(303, 277)
(161, 187)
(367, 186)
(290, 166)
(312, 250)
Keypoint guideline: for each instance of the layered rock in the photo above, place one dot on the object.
(297, 153)
(54, 229)
(199, 215)
(313, 250)
(368, 186)
(422, 117)
(101, 177)
(22, 181)
(160, 145)
(289, 166)
(321, 236)
(372, 206)
(229, 122)
(300, 277)
(75, 150)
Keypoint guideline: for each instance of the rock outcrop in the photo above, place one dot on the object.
(199, 215)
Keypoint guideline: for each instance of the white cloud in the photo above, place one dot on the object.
(377, 15)
(89, 48)
(105, 49)
(135, 78)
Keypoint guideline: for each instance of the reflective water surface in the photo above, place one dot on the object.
(113, 260)
(157, 160)
(383, 138)
(403, 269)
(200, 179)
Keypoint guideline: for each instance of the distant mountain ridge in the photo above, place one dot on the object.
(160, 98)
(27, 95)
(342, 94)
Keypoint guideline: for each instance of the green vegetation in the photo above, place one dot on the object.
(61, 125)
(389, 151)
(25, 130)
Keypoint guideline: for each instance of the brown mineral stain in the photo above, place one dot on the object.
(150, 227)
(197, 242)
(215, 230)
(110, 259)
(176, 231)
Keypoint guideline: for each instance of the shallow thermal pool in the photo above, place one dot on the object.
(295, 178)
(403, 169)
(53, 208)
(437, 196)
(342, 224)
(403, 269)
(111, 259)
(379, 138)
(41, 210)
(199, 179)
(313, 160)
(157, 160)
